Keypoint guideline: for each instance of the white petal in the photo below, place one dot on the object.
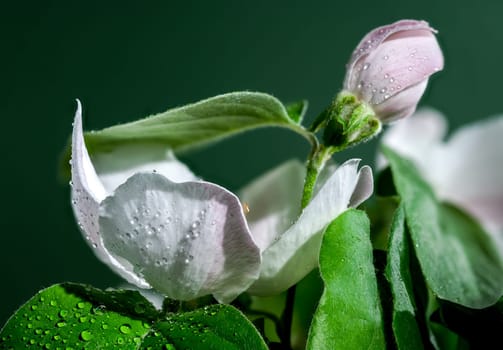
(364, 187)
(115, 167)
(274, 201)
(469, 170)
(415, 137)
(295, 254)
(87, 192)
(187, 240)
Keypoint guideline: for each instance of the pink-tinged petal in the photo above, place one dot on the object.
(186, 239)
(401, 62)
(116, 166)
(390, 68)
(286, 261)
(469, 170)
(401, 105)
(273, 201)
(416, 138)
(87, 192)
(370, 42)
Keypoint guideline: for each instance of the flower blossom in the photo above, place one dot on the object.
(153, 222)
(465, 170)
(390, 67)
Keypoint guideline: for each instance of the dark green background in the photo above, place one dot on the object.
(125, 60)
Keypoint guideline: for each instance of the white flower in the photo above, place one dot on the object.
(158, 226)
(466, 170)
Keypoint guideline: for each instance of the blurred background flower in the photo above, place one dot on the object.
(125, 60)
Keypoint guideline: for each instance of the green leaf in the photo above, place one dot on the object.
(456, 256)
(198, 123)
(58, 317)
(77, 316)
(212, 327)
(349, 313)
(297, 110)
(405, 328)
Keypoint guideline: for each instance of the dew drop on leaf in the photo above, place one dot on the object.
(125, 329)
(86, 335)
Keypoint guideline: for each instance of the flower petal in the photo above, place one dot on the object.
(295, 254)
(115, 167)
(187, 239)
(274, 201)
(398, 63)
(87, 192)
(373, 40)
(469, 170)
(364, 187)
(416, 138)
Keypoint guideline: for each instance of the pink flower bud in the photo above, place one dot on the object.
(390, 67)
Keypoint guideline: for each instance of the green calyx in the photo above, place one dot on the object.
(348, 121)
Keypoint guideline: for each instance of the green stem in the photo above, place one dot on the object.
(317, 159)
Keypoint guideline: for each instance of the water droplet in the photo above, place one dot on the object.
(386, 57)
(61, 324)
(120, 340)
(34, 307)
(195, 224)
(383, 90)
(391, 80)
(125, 328)
(29, 325)
(104, 326)
(63, 313)
(38, 331)
(366, 66)
(98, 310)
(86, 335)
(409, 68)
(386, 96)
(83, 319)
(81, 305)
(386, 76)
